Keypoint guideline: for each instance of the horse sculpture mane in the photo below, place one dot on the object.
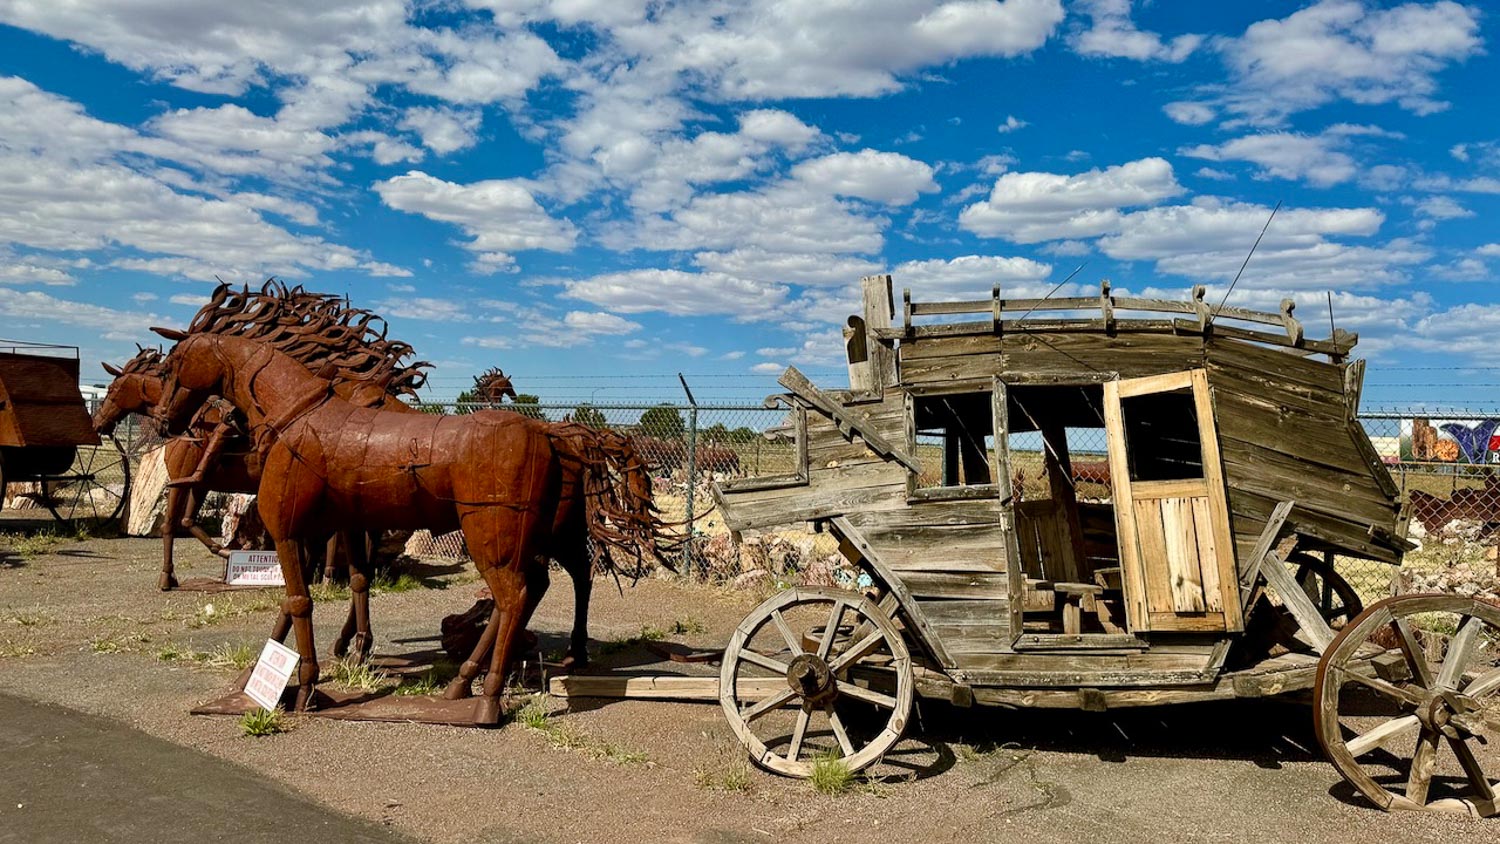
(322, 332)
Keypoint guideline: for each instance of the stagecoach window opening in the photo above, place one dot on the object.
(1161, 436)
(955, 439)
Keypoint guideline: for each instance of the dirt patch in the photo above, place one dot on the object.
(81, 625)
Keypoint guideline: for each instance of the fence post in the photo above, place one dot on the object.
(692, 473)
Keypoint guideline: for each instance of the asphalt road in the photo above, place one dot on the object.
(70, 777)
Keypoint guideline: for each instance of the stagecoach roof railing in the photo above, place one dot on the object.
(1202, 318)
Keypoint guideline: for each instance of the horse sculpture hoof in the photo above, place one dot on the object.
(486, 711)
(166, 582)
(307, 695)
(457, 689)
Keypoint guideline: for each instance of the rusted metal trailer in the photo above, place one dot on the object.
(47, 440)
(1191, 553)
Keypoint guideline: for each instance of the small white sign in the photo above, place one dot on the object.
(253, 568)
(272, 672)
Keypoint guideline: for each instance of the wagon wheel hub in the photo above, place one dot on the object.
(811, 678)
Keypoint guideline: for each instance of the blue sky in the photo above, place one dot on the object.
(620, 187)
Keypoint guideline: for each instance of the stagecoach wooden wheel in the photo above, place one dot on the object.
(1418, 728)
(96, 487)
(794, 695)
(1336, 599)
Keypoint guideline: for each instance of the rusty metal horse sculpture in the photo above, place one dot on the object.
(368, 372)
(327, 462)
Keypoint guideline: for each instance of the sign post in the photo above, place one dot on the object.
(272, 672)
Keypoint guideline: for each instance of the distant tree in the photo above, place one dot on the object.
(716, 433)
(591, 416)
(526, 405)
(663, 421)
(742, 435)
(466, 401)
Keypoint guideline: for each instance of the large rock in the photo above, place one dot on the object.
(148, 495)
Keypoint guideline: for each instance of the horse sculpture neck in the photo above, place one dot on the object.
(269, 387)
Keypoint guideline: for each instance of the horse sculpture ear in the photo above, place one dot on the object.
(170, 333)
(112, 370)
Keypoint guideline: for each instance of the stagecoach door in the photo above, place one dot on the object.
(1171, 518)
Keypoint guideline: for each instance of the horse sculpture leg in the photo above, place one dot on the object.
(462, 685)
(298, 606)
(167, 581)
(361, 572)
(582, 573)
(508, 585)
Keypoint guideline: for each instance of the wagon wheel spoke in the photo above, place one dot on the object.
(861, 649)
(838, 729)
(798, 733)
(880, 699)
(1390, 690)
(1472, 768)
(1423, 763)
(793, 641)
(830, 632)
(756, 658)
(767, 704)
(1381, 735)
(1483, 684)
(1460, 650)
(1412, 650)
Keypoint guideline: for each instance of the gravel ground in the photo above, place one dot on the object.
(82, 626)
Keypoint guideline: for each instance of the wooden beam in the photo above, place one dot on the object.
(657, 686)
(849, 421)
(923, 630)
(1263, 546)
(1309, 621)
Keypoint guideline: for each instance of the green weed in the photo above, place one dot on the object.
(830, 774)
(649, 633)
(535, 716)
(264, 722)
(427, 683)
(357, 676)
(32, 545)
(385, 582)
(688, 624)
(12, 648)
(227, 655)
(30, 618)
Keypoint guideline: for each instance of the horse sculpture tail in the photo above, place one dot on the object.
(621, 516)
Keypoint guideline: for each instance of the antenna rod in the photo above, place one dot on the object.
(1253, 247)
(1053, 290)
(1331, 330)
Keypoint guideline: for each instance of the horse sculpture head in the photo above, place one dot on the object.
(493, 386)
(136, 389)
(192, 374)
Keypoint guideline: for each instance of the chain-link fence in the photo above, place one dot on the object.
(1446, 466)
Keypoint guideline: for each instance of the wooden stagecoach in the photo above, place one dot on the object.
(1095, 503)
(47, 440)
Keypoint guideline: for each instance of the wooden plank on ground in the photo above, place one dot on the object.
(657, 687)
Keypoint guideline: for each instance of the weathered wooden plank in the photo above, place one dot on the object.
(934, 514)
(1183, 566)
(974, 638)
(878, 313)
(1208, 556)
(1041, 670)
(1218, 504)
(1336, 489)
(657, 686)
(1143, 490)
(784, 509)
(920, 628)
(986, 585)
(1252, 509)
(1274, 363)
(1152, 539)
(974, 612)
